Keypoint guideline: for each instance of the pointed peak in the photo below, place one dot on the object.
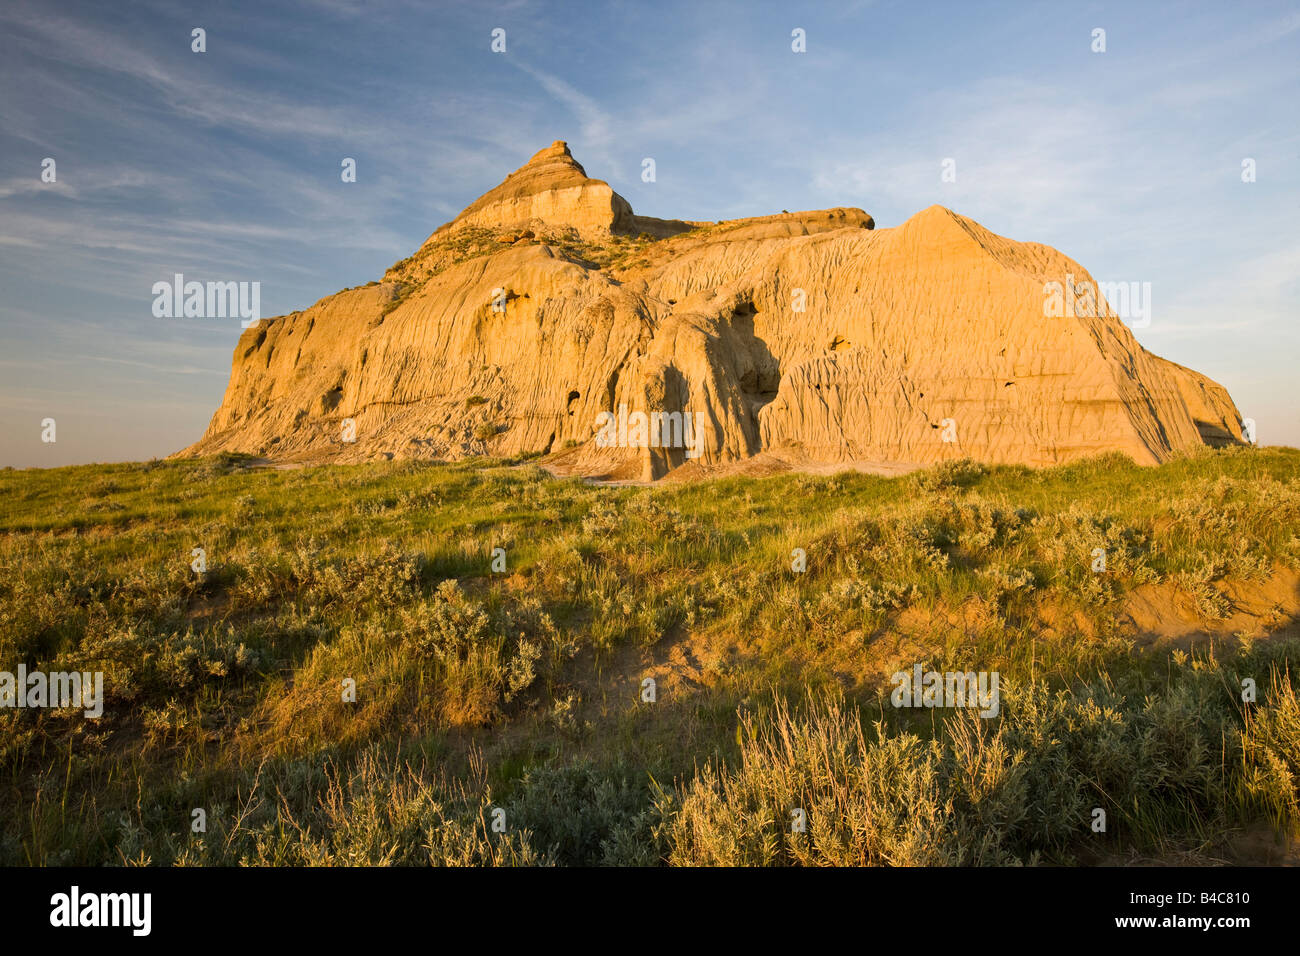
(935, 214)
(556, 157)
(553, 188)
(940, 230)
(557, 149)
(940, 224)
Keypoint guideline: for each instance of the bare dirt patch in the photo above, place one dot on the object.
(1164, 615)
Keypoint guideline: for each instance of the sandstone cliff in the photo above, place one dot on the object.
(548, 308)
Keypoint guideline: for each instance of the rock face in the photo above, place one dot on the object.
(553, 188)
(549, 318)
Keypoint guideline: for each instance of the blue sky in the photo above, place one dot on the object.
(225, 165)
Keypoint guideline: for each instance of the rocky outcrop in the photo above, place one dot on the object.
(1216, 417)
(553, 189)
(549, 318)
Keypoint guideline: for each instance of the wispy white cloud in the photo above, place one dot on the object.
(162, 369)
(595, 124)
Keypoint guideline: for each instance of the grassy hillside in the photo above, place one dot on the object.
(521, 691)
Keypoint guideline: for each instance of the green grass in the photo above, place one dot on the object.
(520, 690)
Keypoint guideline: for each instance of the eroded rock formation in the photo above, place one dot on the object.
(812, 336)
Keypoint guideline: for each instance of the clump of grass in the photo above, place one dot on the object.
(1019, 789)
(959, 473)
(403, 292)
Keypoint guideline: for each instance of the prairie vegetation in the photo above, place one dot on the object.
(522, 690)
(614, 253)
